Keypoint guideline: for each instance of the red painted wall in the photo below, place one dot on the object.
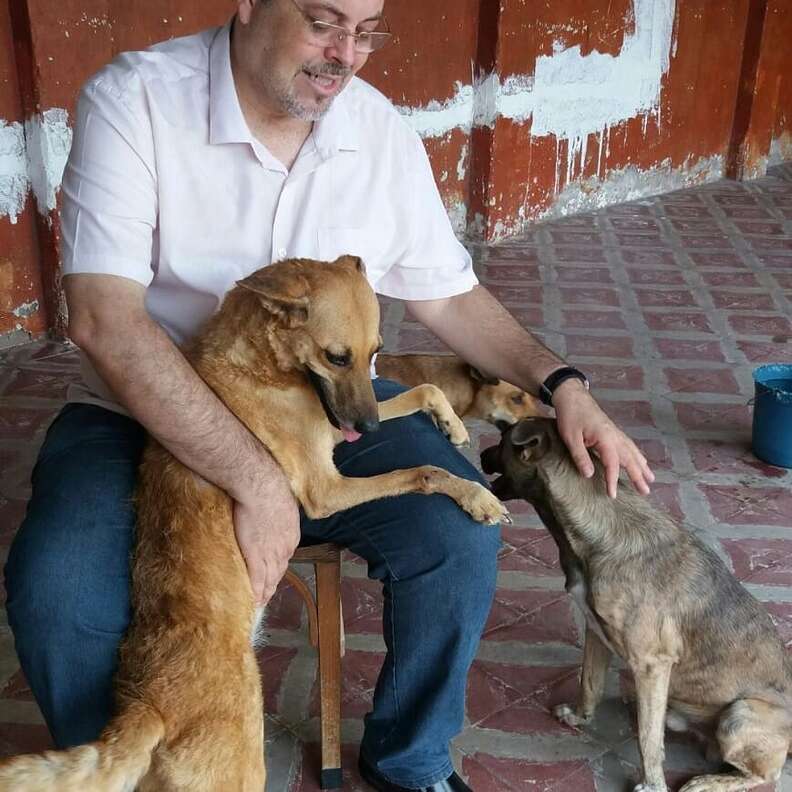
(726, 100)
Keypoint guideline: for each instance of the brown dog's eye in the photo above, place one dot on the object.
(338, 360)
(517, 398)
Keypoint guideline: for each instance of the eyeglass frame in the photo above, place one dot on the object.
(343, 34)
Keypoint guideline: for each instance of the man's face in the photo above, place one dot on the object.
(277, 55)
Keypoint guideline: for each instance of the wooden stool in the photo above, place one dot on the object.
(326, 632)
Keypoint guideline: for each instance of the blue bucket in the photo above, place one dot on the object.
(772, 417)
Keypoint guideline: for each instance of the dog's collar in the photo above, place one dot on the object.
(317, 381)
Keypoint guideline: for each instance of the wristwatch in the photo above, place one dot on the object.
(547, 388)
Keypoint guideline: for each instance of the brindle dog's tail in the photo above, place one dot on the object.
(114, 763)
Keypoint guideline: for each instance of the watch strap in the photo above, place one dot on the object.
(548, 387)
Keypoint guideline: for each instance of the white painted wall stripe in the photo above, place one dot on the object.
(14, 180)
(568, 95)
(33, 156)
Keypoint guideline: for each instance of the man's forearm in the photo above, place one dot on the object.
(481, 331)
(155, 383)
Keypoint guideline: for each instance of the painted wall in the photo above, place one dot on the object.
(527, 109)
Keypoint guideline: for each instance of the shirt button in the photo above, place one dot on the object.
(281, 252)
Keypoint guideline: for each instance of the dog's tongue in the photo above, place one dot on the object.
(350, 435)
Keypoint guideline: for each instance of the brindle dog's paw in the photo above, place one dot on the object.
(566, 714)
(483, 506)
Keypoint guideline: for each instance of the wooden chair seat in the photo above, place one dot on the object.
(326, 633)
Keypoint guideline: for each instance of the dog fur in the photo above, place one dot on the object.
(289, 354)
(471, 393)
(704, 653)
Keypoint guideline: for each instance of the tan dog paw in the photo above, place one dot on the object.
(566, 714)
(644, 787)
(483, 506)
(453, 428)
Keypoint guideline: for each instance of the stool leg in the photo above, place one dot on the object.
(328, 593)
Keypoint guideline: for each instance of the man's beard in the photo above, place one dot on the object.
(297, 108)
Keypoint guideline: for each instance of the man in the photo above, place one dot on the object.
(193, 164)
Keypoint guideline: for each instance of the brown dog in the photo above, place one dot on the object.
(471, 393)
(289, 353)
(696, 642)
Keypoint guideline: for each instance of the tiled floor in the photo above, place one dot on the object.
(669, 304)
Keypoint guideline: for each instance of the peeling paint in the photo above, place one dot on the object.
(457, 214)
(780, 149)
(26, 309)
(14, 180)
(48, 143)
(626, 184)
(33, 156)
(463, 162)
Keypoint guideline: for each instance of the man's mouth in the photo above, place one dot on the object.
(322, 81)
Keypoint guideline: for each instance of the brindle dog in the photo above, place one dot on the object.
(703, 652)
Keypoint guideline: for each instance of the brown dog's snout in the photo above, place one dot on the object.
(365, 425)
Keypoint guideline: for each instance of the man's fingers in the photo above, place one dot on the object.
(580, 454)
(612, 464)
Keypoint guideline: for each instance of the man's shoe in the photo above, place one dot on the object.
(451, 784)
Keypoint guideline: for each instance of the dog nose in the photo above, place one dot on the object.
(367, 425)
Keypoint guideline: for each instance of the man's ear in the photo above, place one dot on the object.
(283, 290)
(484, 379)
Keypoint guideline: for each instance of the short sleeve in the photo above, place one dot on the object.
(109, 197)
(434, 264)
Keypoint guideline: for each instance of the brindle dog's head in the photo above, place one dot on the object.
(327, 325)
(524, 448)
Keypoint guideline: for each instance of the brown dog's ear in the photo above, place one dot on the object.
(283, 290)
(484, 379)
(354, 262)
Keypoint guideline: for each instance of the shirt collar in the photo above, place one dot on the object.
(334, 132)
(226, 122)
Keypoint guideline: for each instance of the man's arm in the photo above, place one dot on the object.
(152, 379)
(481, 331)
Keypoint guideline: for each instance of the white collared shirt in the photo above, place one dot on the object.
(166, 185)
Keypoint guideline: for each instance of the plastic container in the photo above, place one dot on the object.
(772, 417)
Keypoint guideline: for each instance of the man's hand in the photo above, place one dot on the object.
(583, 425)
(267, 529)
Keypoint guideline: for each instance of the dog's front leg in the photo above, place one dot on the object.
(596, 657)
(325, 494)
(652, 676)
(431, 400)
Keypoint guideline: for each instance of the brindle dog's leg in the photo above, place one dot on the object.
(596, 657)
(754, 738)
(652, 676)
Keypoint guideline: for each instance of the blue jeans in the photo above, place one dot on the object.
(67, 579)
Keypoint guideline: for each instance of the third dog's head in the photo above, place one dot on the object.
(322, 318)
(526, 449)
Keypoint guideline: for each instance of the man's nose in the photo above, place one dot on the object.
(343, 51)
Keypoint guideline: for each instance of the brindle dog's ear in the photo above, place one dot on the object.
(484, 379)
(530, 436)
(283, 290)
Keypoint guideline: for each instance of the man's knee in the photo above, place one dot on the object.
(449, 543)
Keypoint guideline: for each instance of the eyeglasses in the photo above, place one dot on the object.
(325, 34)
